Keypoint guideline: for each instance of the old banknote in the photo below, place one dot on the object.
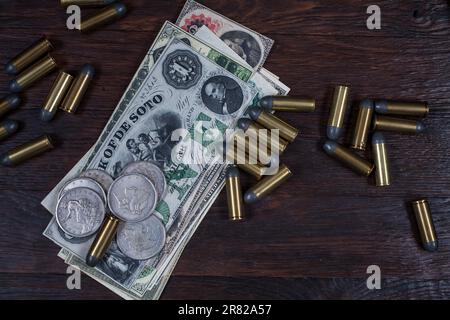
(250, 45)
(141, 280)
(182, 89)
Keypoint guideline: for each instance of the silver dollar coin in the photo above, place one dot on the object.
(132, 197)
(80, 212)
(142, 240)
(83, 183)
(104, 179)
(152, 172)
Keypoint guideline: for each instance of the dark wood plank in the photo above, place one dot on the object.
(50, 286)
(316, 235)
(53, 286)
(304, 288)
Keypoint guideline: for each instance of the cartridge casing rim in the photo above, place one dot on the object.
(419, 201)
(236, 218)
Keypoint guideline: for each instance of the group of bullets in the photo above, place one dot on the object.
(66, 93)
(35, 63)
(111, 12)
(372, 116)
(258, 156)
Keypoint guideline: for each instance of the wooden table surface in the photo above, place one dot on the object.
(316, 235)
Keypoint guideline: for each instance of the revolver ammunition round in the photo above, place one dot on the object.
(425, 224)
(28, 56)
(270, 121)
(383, 123)
(108, 14)
(267, 185)
(288, 104)
(102, 240)
(417, 109)
(380, 155)
(348, 158)
(26, 151)
(362, 126)
(337, 112)
(236, 210)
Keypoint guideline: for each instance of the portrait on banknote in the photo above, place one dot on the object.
(244, 44)
(251, 46)
(222, 95)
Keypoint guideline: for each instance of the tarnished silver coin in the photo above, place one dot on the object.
(152, 172)
(142, 240)
(83, 183)
(132, 197)
(80, 212)
(104, 179)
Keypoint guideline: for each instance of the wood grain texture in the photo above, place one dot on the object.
(316, 235)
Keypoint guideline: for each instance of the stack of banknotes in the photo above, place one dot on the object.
(204, 69)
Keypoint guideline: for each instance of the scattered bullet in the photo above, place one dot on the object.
(26, 151)
(348, 157)
(418, 109)
(425, 224)
(287, 104)
(380, 155)
(28, 56)
(102, 240)
(337, 112)
(108, 14)
(383, 123)
(362, 127)
(267, 185)
(236, 210)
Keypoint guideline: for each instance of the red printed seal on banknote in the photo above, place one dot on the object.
(195, 22)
